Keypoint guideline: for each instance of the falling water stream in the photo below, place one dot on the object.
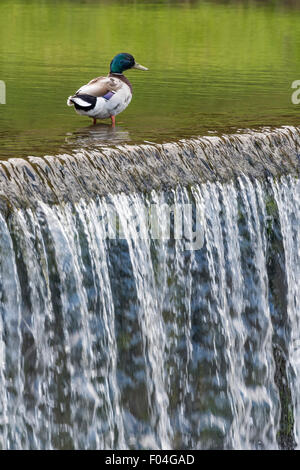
(114, 336)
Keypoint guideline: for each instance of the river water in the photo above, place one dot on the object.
(214, 67)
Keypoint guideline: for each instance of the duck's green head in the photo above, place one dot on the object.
(123, 62)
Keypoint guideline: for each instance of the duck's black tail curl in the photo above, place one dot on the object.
(82, 101)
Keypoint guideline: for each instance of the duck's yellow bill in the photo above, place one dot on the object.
(139, 67)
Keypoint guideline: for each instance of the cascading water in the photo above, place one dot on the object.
(116, 333)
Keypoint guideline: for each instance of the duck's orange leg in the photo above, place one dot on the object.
(94, 121)
(113, 121)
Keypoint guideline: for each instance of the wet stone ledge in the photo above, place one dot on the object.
(141, 168)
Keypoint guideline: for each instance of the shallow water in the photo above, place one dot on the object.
(214, 67)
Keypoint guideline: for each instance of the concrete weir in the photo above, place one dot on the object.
(140, 168)
(149, 296)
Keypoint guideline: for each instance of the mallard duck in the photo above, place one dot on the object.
(105, 97)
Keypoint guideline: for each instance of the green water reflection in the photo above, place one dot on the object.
(213, 67)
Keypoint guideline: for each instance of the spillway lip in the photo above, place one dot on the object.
(88, 173)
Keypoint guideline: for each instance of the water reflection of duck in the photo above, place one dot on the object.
(97, 136)
(105, 97)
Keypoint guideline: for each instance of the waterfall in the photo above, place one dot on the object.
(152, 317)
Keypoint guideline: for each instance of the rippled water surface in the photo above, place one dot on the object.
(214, 67)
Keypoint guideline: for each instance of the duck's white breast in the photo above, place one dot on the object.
(115, 105)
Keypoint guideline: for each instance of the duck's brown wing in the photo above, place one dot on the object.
(100, 86)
